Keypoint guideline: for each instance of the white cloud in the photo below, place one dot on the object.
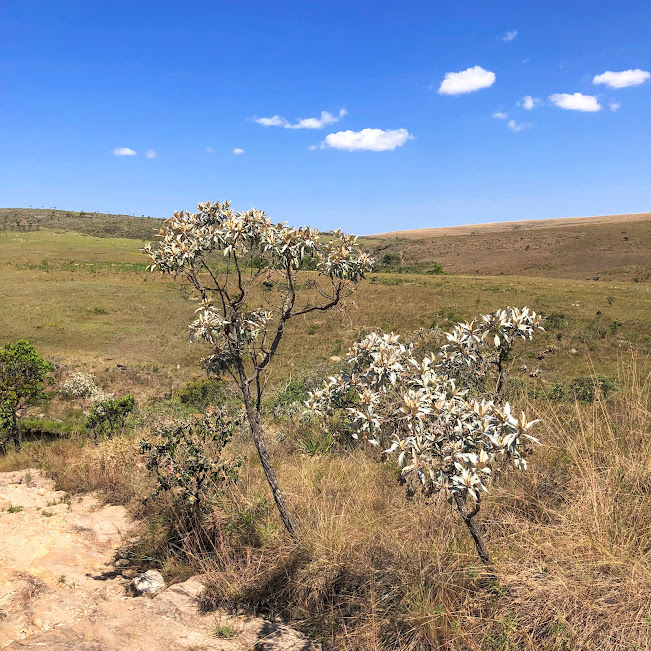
(516, 126)
(367, 139)
(318, 123)
(275, 121)
(210, 150)
(622, 79)
(305, 123)
(528, 102)
(510, 35)
(466, 81)
(237, 151)
(124, 151)
(614, 106)
(500, 116)
(575, 102)
(150, 153)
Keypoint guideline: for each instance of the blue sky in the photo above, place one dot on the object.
(187, 81)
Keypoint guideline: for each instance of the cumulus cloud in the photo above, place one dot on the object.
(275, 121)
(150, 153)
(614, 106)
(367, 139)
(622, 79)
(124, 151)
(466, 81)
(500, 116)
(575, 102)
(305, 123)
(516, 126)
(510, 35)
(528, 102)
(237, 151)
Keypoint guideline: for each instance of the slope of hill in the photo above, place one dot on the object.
(614, 247)
(88, 223)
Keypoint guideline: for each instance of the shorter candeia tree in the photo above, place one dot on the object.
(445, 441)
(234, 261)
(23, 373)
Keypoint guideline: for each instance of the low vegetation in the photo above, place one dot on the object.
(371, 566)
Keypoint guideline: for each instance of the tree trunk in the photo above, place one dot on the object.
(474, 529)
(255, 422)
(17, 432)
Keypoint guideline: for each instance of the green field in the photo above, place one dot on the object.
(90, 302)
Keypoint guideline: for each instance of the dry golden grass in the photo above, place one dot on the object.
(571, 541)
(570, 537)
(601, 248)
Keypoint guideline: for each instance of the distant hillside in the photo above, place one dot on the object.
(612, 247)
(89, 223)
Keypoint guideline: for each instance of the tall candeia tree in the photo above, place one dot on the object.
(236, 260)
(23, 373)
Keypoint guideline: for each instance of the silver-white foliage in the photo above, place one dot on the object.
(83, 385)
(243, 238)
(413, 408)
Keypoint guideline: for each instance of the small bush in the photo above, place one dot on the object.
(108, 416)
(558, 392)
(202, 393)
(296, 391)
(188, 460)
(590, 388)
(436, 269)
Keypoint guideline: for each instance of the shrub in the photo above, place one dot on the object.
(413, 408)
(83, 385)
(188, 460)
(201, 393)
(590, 388)
(557, 392)
(107, 417)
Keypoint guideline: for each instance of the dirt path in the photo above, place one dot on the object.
(60, 590)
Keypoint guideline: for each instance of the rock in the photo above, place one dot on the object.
(149, 582)
(573, 351)
(273, 637)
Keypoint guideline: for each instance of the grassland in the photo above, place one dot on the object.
(90, 303)
(608, 248)
(374, 571)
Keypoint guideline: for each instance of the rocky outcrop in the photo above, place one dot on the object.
(60, 589)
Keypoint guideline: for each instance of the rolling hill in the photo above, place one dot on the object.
(613, 247)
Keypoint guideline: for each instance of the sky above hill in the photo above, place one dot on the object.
(373, 116)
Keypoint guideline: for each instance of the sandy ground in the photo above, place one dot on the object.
(60, 588)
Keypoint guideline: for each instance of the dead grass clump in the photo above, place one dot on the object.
(570, 538)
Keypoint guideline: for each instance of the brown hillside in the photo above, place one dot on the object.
(612, 247)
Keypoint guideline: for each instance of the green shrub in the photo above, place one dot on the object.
(202, 393)
(589, 388)
(188, 459)
(436, 269)
(295, 391)
(557, 392)
(107, 417)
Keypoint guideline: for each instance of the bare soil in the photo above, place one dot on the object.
(60, 588)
